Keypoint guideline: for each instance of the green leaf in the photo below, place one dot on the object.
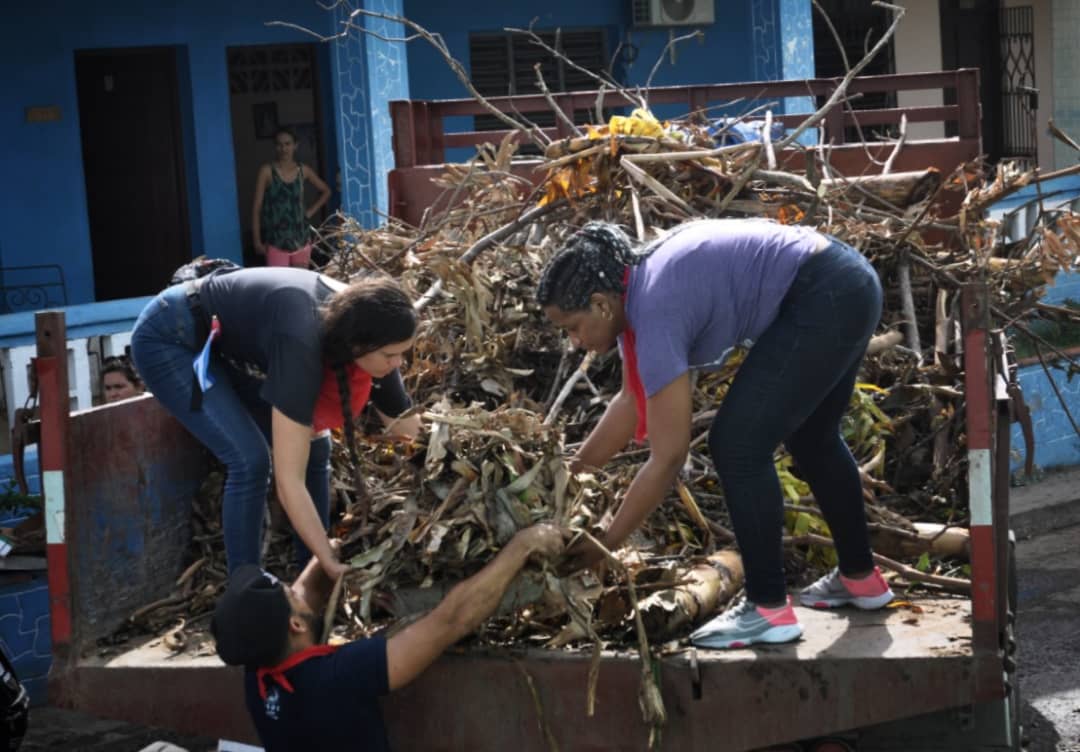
(803, 522)
(923, 564)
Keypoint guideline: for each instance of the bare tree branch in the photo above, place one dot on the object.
(542, 85)
(696, 34)
(898, 14)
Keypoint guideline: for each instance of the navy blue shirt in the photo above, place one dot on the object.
(270, 322)
(333, 704)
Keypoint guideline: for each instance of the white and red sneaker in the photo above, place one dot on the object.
(746, 623)
(834, 590)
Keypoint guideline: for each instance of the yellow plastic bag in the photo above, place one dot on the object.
(640, 122)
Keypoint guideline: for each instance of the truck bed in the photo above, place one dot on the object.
(480, 698)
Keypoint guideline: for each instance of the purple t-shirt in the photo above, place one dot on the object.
(708, 287)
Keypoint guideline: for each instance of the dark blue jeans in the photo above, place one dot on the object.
(794, 387)
(234, 423)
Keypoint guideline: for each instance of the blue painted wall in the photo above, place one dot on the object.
(725, 54)
(751, 40)
(25, 632)
(42, 195)
(1056, 442)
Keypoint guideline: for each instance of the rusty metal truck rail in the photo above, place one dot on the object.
(422, 134)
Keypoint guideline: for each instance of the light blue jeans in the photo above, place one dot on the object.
(233, 423)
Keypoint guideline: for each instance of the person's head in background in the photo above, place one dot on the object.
(119, 380)
(285, 145)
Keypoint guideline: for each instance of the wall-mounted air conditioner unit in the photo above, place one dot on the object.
(673, 12)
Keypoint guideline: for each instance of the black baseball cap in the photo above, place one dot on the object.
(251, 619)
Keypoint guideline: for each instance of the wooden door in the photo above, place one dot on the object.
(133, 161)
(970, 39)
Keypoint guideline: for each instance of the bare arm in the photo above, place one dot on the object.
(466, 606)
(669, 418)
(292, 445)
(256, 208)
(314, 585)
(612, 432)
(322, 187)
(669, 422)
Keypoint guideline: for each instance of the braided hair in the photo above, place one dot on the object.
(368, 314)
(593, 260)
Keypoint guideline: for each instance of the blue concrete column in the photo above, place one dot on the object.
(783, 38)
(351, 110)
(369, 72)
(388, 79)
(766, 36)
(797, 48)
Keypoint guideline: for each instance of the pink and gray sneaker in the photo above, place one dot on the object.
(746, 624)
(834, 590)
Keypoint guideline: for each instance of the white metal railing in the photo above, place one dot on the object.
(95, 331)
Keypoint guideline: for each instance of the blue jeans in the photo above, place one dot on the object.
(794, 387)
(233, 423)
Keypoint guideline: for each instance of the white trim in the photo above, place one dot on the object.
(52, 483)
(980, 500)
(224, 745)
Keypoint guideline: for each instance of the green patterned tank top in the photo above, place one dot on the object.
(282, 219)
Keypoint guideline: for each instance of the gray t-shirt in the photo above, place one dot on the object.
(270, 321)
(708, 287)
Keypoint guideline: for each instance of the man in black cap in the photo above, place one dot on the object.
(298, 691)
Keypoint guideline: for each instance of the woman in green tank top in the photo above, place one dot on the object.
(279, 219)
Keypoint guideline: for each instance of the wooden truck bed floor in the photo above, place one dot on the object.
(888, 664)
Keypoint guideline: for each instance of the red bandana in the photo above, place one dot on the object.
(629, 351)
(277, 673)
(328, 412)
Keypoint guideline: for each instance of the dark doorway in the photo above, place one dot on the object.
(970, 38)
(269, 86)
(129, 116)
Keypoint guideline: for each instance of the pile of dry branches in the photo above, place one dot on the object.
(505, 401)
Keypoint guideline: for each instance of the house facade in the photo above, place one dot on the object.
(135, 130)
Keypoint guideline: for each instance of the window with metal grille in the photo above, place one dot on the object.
(1019, 95)
(503, 63)
(271, 68)
(859, 25)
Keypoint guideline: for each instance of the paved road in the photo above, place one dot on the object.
(1048, 631)
(53, 729)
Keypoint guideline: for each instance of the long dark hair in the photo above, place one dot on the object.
(368, 314)
(593, 260)
(120, 364)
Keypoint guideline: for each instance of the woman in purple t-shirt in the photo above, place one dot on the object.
(806, 305)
